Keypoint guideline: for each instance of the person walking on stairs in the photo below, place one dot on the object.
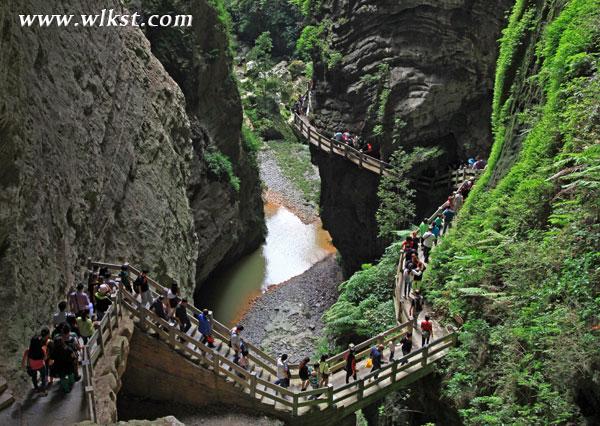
(392, 348)
(235, 341)
(314, 380)
(142, 287)
(406, 345)
(428, 241)
(377, 358)
(283, 372)
(448, 216)
(205, 328)
(34, 362)
(416, 306)
(182, 317)
(350, 367)
(426, 331)
(61, 316)
(304, 373)
(324, 370)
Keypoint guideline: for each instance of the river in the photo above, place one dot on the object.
(291, 248)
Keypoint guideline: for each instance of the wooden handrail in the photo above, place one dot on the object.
(288, 400)
(332, 146)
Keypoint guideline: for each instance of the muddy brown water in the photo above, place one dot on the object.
(291, 248)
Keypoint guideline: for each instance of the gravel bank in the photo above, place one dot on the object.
(281, 191)
(287, 318)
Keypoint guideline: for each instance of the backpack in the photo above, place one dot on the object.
(418, 303)
(35, 348)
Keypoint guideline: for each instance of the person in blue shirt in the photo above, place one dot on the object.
(205, 328)
(448, 216)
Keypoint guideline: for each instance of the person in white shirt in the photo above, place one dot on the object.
(428, 241)
(61, 315)
(458, 201)
(283, 372)
(235, 342)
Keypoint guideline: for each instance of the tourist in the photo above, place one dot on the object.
(182, 317)
(283, 372)
(324, 370)
(406, 345)
(465, 188)
(426, 331)
(428, 241)
(235, 341)
(92, 280)
(72, 299)
(480, 164)
(72, 323)
(458, 201)
(392, 348)
(338, 136)
(314, 380)
(103, 301)
(124, 276)
(350, 367)
(407, 278)
(61, 316)
(439, 221)
(158, 307)
(172, 299)
(448, 216)
(142, 287)
(377, 358)
(304, 373)
(436, 229)
(64, 359)
(34, 361)
(85, 325)
(205, 328)
(416, 306)
(423, 227)
(346, 137)
(449, 202)
(82, 301)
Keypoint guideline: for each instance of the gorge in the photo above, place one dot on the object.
(150, 145)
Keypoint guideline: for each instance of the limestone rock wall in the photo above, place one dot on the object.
(417, 72)
(99, 157)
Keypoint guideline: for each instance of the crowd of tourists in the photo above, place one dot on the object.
(55, 352)
(353, 141)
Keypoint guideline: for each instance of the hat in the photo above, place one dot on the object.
(351, 346)
(104, 289)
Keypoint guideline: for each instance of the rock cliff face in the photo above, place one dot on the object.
(102, 155)
(412, 73)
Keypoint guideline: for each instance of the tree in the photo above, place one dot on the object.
(396, 197)
(261, 52)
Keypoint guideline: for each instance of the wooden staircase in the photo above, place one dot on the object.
(255, 384)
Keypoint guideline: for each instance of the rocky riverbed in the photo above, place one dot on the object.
(287, 318)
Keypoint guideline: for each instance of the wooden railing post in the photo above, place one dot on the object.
(394, 371)
(295, 405)
(142, 315)
(330, 395)
(381, 168)
(424, 356)
(346, 151)
(319, 137)
(216, 365)
(253, 382)
(101, 338)
(308, 135)
(361, 389)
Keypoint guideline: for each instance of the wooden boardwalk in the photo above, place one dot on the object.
(331, 403)
(452, 179)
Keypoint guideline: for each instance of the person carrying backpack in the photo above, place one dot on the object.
(406, 345)
(283, 372)
(34, 361)
(416, 306)
(377, 358)
(142, 287)
(235, 341)
(426, 331)
(324, 370)
(350, 367)
(124, 276)
(205, 328)
(428, 242)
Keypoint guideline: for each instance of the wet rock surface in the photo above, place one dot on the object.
(287, 318)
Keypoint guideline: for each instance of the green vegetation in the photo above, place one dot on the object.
(220, 166)
(365, 306)
(522, 266)
(281, 18)
(396, 193)
(293, 158)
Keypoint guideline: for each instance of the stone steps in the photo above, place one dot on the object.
(6, 397)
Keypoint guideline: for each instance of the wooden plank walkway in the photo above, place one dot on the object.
(257, 381)
(452, 179)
